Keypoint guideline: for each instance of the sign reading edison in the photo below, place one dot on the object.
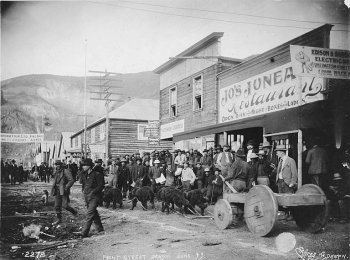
(273, 90)
(320, 62)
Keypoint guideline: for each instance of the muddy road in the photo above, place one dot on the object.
(151, 234)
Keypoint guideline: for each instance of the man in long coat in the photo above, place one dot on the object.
(61, 185)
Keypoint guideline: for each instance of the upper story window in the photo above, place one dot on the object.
(173, 102)
(198, 93)
(93, 135)
(102, 132)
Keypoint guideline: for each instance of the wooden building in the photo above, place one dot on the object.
(188, 91)
(261, 98)
(125, 131)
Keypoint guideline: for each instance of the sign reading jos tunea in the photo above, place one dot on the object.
(22, 138)
(320, 62)
(271, 91)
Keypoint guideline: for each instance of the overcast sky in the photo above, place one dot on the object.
(127, 36)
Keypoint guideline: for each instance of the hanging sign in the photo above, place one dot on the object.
(271, 91)
(320, 62)
(22, 138)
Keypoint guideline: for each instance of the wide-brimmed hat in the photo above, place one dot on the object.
(205, 150)
(281, 147)
(58, 162)
(156, 161)
(337, 176)
(139, 159)
(87, 162)
(266, 144)
(240, 153)
(99, 161)
(207, 170)
(123, 160)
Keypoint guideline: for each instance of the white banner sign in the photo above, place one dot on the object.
(320, 62)
(22, 138)
(167, 130)
(274, 90)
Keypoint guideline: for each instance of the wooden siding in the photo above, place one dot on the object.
(280, 56)
(194, 119)
(123, 138)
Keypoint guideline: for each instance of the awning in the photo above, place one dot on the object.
(256, 121)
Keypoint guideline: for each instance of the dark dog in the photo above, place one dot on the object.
(195, 197)
(142, 194)
(171, 195)
(114, 195)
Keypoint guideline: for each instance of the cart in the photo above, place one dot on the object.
(260, 207)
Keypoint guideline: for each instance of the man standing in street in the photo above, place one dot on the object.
(92, 185)
(316, 159)
(61, 185)
(124, 177)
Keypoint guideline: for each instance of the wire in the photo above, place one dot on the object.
(210, 19)
(223, 12)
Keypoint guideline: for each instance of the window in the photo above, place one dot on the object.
(141, 132)
(93, 135)
(173, 102)
(198, 93)
(79, 140)
(75, 142)
(102, 132)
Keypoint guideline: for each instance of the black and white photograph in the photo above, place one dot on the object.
(175, 130)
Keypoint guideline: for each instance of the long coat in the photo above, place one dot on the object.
(289, 171)
(64, 180)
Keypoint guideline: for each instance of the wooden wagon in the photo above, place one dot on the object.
(260, 208)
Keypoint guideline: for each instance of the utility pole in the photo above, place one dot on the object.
(104, 93)
(85, 119)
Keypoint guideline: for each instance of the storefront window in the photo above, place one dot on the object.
(198, 93)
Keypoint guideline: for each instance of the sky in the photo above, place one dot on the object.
(131, 36)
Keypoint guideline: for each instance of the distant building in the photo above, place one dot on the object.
(125, 131)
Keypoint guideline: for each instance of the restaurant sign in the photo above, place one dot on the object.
(320, 62)
(271, 91)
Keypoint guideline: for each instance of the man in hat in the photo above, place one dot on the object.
(13, 172)
(286, 171)
(250, 146)
(154, 173)
(218, 151)
(199, 172)
(264, 170)
(206, 160)
(92, 186)
(225, 160)
(187, 177)
(124, 177)
(271, 160)
(61, 185)
(137, 171)
(238, 173)
(337, 192)
(113, 174)
(98, 166)
(253, 170)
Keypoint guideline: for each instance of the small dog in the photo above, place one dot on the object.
(45, 197)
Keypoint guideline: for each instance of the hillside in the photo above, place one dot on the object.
(26, 100)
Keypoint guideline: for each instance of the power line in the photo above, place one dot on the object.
(235, 13)
(211, 19)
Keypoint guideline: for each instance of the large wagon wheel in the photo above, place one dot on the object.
(260, 210)
(223, 214)
(314, 217)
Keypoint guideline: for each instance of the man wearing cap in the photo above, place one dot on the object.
(124, 177)
(225, 160)
(238, 173)
(92, 186)
(61, 185)
(286, 171)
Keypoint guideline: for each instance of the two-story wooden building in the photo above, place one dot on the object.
(189, 93)
(125, 131)
(261, 98)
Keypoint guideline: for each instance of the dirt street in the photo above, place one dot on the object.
(139, 234)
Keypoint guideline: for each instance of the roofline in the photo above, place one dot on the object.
(325, 27)
(193, 49)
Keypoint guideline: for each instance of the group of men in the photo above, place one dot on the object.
(12, 173)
